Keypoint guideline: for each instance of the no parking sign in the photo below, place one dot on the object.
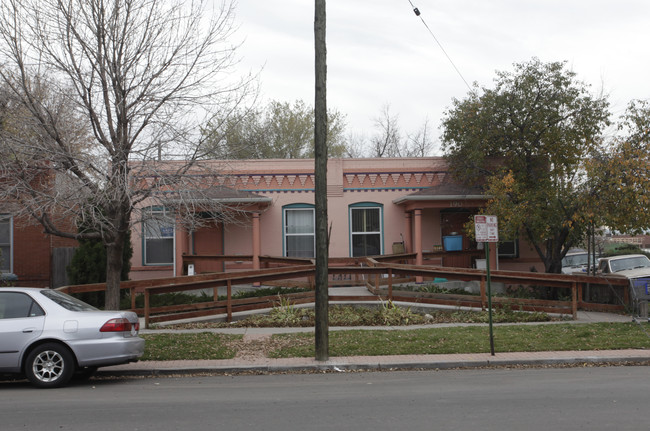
(487, 231)
(486, 228)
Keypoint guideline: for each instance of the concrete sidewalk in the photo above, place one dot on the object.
(256, 364)
(380, 363)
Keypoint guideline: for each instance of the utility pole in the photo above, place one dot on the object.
(320, 171)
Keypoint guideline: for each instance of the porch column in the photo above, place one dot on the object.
(417, 236)
(408, 232)
(256, 241)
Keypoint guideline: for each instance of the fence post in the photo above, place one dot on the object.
(132, 292)
(229, 302)
(390, 284)
(146, 308)
(581, 294)
(574, 299)
(483, 294)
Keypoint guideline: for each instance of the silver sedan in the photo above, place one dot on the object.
(49, 336)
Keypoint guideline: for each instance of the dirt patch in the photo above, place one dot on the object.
(259, 346)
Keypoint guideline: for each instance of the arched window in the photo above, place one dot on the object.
(158, 236)
(366, 229)
(298, 230)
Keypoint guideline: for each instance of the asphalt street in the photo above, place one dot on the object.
(534, 399)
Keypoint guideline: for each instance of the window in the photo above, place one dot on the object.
(509, 248)
(15, 305)
(366, 229)
(299, 231)
(158, 234)
(66, 301)
(5, 244)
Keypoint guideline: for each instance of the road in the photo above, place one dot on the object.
(603, 398)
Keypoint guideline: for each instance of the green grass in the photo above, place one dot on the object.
(170, 347)
(467, 339)
(475, 339)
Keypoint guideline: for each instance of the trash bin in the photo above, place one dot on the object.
(453, 242)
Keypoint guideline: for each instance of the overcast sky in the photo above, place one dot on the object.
(380, 53)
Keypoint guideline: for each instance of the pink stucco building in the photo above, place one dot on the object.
(374, 205)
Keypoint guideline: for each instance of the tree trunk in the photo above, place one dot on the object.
(114, 262)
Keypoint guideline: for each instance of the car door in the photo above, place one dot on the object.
(21, 322)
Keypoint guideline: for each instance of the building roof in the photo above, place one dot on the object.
(224, 194)
(444, 191)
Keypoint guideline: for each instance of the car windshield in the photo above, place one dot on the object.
(575, 260)
(629, 263)
(66, 301)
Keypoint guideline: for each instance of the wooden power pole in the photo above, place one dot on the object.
(320, 171)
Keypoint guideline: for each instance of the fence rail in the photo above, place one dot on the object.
(381, 275)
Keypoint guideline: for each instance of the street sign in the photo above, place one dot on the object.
(486, 228)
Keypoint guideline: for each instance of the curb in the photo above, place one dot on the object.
(372, 364)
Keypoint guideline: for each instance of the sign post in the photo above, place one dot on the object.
(487, 231)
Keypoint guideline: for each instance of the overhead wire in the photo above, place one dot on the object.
(419, 15)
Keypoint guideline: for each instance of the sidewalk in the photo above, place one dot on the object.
(254, 364)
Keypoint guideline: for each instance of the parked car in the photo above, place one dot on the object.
(49, 336)
(575, 261)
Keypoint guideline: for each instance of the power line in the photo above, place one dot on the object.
(418, 14)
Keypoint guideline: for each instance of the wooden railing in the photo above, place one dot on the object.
(380, 276)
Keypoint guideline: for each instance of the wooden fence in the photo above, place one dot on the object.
(382, 276)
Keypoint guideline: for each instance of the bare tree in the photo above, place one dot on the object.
(136, 78)
(355, 145)
(386, 143)
(420, 143)
(387, 140)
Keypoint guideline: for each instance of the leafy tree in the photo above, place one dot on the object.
(622, 174)
(622, 249)
(526, 141)
(88, 265)
(278, 130)
(135, 76)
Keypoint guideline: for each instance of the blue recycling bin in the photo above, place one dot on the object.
(452, 242)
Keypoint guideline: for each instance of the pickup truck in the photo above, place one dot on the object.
(628, 265)
(635, 267)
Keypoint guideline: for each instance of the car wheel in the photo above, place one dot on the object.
(49, 366)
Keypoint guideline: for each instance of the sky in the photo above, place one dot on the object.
(379, 53)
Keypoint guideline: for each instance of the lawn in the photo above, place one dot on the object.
(513, 336)
(434, 340)
(473, 339)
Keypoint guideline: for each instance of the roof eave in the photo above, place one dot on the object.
(404, 199)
